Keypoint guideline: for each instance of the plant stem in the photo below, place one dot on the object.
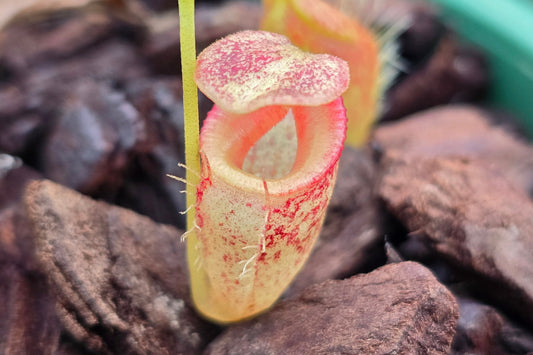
(190, 103)
(192, 128)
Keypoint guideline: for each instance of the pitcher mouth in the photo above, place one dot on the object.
(227, 138)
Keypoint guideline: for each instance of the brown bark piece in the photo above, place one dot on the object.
(473, 217)
(460, 130)
(40, 38)
(484, 330)
(397, 309)
(212, 23)
(150, 191)
(28, 322)
(120, 278)
(452, 74)
(96, 134)
(10, 11)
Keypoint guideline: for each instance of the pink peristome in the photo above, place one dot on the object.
(252, 69)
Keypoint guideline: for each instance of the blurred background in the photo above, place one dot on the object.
(90, 94)
(90, 91)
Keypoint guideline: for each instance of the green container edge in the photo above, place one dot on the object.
(503, 29)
